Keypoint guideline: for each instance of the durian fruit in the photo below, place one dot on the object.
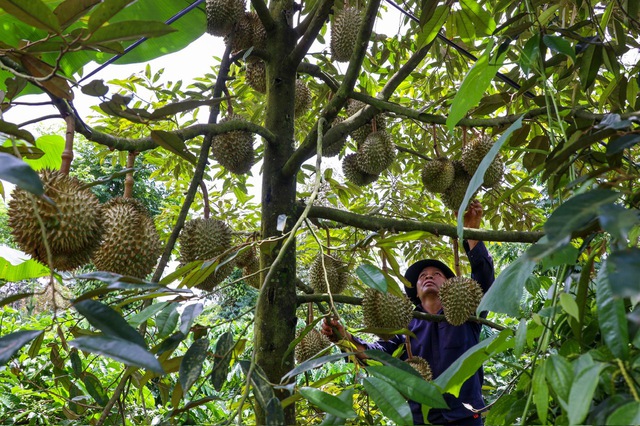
(337, 275)
(335, 148)
(312, 343)
(344, 33)
(473, 154)
(249, 261)
(384, 310)
(460, 297)
(353, 173)
(302, 101)
(222, 15)
(360, 134)
(421, 366)
(130, 242)
(437, 175)
(256, 75)
(206, 239)
(247, 32)
(73, 225)
(453, 196)
(376, 153)
(234, 150)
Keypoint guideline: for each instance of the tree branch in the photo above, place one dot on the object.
(263, 13)
(395, 225)
(320, 15)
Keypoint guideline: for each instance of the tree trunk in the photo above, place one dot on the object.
(276, 310)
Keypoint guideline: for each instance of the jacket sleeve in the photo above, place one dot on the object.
(481, 264)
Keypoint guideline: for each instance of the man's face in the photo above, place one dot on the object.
(429, 281)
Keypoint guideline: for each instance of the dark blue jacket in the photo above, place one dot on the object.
(441, 343)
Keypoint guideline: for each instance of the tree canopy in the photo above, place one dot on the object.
(552, 86)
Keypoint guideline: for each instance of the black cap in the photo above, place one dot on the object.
(413, 272)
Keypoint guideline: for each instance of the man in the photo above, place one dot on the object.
(440, 343)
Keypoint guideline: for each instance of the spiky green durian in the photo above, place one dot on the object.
(335, 269)
(206, 239)
(473, 154)
(302, 101)
(222, 15)
(494, 173)
(384, 310)
(460, 297)
(250, 272)
(234, 150)
(130, 242)
(453, 196)
(312, 343)
(422, 366)
(344, 33)
(376, 153)
(256, 75)
(437, 175)
(353, 173)
(73, 222)
(247, 32)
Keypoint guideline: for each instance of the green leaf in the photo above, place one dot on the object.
(478, 177)
(109, 321)
(13, 342)
(191, 365)
(577, 212)
(18, 266)
(345, 396)
(452, 379)
(52, 145)
(430, 30)
(105, 11)
(167, 320)
(392, 361)
(95, 88)
(372, 276)
(121, 350)
(32, 12)
(505, 293)
(313, 363)
(541, 394)
(530, 54)
(274, 412)
(408, 384)
(14, 130)
(566, 255)
(19, 173)
(473, 86)
(618, 145)
(618, 221)
(182, 106)
(611, 315)
(221, 360)
(189, 314)
(146, 313)
(481, 20)
(628, 414)
(389, 400)
(560, 45)
(174, 144)
(69, 11)
(95, 389)
(129, 30)
(569, 305)
(559, 375)
(521, 338)
(329, 403)
(262, 389)
(623, 270)
(581, 394)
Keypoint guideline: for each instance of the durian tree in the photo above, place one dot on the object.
(531, 106)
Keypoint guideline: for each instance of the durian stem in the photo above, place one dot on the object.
(67, 154)
(309, 313)
(128, 180)
(464, 137)
(436, 147)
(407, 344)
(205, 199)
(456, 256)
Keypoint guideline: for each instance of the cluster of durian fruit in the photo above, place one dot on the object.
(450, 178)
(118, 236)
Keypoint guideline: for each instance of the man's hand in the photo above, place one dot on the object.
(333, 330)
(473, 215)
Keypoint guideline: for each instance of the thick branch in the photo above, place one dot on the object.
(263, 13)
(315, 25)
(373, 223)
(350, 300)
